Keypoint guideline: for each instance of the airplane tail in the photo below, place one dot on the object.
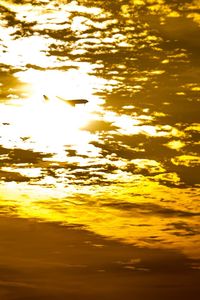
(45, 97)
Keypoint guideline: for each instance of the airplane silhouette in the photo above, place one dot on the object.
(72, 102)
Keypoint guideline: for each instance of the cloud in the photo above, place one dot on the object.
(150, 209)
(19, 156)
(13, 176)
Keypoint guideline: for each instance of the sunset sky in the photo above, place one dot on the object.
(99, 200)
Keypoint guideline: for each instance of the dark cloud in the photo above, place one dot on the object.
(9, 83)
(61, 68)
(49, 261)
(13, 176)
(22, 28)
(182, 229)
(150, 209)
(20, 156)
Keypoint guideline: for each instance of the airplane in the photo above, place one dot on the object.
(72, 102)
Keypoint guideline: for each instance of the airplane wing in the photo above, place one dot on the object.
(61, 98)
(71, 102)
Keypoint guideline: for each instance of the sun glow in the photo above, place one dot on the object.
(49, 125)
(44, 126)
